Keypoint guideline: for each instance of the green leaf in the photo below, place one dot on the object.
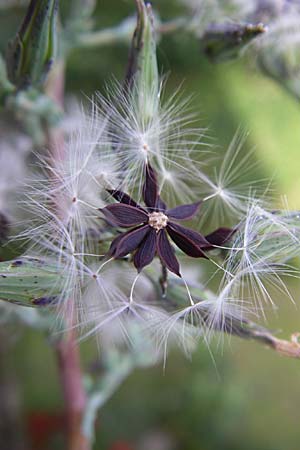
(30, 282)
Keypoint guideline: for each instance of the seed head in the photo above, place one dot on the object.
(158, 220)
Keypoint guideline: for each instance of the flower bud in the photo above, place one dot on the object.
(142, 75)
(225, 41)
(31, 53)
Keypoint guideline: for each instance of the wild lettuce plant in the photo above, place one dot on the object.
(134, 160)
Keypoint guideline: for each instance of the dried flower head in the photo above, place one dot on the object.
(153, 224)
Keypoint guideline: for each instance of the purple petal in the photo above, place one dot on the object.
(189, 241)
(128, 242)
(160, 204)
(115, 242)
(166, 253)
(198, 239)
(121, 197)
(219, 236)
(184, 212)
(150, 189)
(124, 215)
(146, 251)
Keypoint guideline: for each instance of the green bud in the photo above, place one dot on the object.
(30, 282)
(225, 41)
(31, 53)
(142, 75)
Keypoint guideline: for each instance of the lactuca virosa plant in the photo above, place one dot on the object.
(113, 166)
(153, 224)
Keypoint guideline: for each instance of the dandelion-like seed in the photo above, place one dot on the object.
(257, 263)
(166, 139)
(230, 188)
(69, 191)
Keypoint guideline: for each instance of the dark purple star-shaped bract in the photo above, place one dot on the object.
(152, 225)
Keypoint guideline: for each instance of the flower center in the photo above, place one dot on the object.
(158, 220)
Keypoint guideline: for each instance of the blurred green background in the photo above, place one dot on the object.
(236, 395)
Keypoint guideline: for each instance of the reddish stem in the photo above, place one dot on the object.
(55, 89)
(74, 395)
(67, 349)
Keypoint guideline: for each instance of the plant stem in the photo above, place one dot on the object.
(291, 348)
(103, 389)
(55, 90)
(12, 436)
(74, 395)
(123, 32)
(67, 350)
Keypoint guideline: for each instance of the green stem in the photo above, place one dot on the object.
(123, 32)
(120, 33)
(103, 390)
